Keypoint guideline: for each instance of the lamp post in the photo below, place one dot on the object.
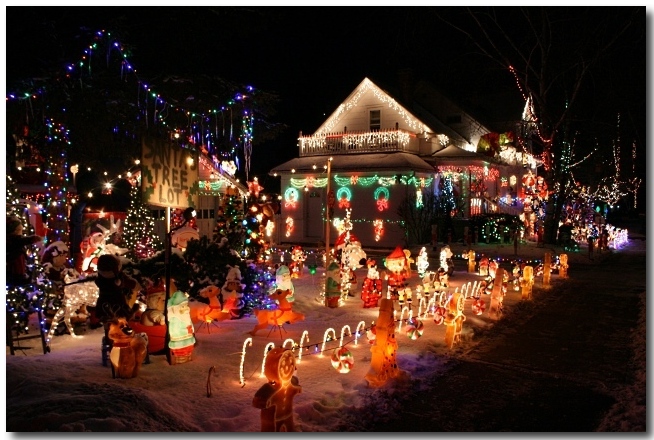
(329, 172)
(189, 213)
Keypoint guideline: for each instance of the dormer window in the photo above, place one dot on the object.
(375, 120)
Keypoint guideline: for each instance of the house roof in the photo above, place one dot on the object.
(453, 153)
(370, 162)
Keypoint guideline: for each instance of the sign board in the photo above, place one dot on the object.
(169, 174)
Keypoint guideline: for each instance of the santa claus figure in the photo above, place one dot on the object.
(371, 290)
(396, 264)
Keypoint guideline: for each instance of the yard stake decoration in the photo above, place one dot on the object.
(547, 268)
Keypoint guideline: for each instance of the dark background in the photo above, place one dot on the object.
(313, 57)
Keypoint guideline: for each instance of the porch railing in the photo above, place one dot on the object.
(352, 142)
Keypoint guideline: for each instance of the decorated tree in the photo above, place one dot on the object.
(37, 291)
(139, 234)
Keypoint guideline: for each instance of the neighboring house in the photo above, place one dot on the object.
(381, 153)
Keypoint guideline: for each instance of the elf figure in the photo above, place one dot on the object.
(371, 291)
(275, 398)
(483, 266)
(383, 365)
(333, 285)
(180, 327)
(283, 281)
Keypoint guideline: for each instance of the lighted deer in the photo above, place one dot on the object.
(276, 317)
(213, 310)
(75, 296)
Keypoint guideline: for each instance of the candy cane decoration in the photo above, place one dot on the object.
(431, 305)
(421, 304)
(212, 369)
(304, 334)
(269, 346)
(402, 317)
(349, 331)
(324, 338)
(245, 344)
(291, 341)
(360, 326)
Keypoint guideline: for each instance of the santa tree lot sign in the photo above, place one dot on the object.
(169, 174)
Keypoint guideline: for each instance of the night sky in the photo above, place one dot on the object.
(313, 57)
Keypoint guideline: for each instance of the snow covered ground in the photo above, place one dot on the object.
(68, 389)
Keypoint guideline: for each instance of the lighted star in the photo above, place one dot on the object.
(254, 187)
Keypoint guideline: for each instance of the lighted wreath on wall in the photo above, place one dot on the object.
(382, 196)
(344, 196)
(291, 197)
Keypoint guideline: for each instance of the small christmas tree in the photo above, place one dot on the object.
(139, 235)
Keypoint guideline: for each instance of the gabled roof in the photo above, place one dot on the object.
(384, 98)
(365, 162)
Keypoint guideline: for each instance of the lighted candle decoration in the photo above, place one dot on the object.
(547, 268)
(269, 346)
(563, 265)
(527, 281)
(349, 332)
(246, 343)
(305, 334)
(360, 326)
(497, 296)
(324, 338)
(291, 341)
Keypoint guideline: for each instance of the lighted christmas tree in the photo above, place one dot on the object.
(57, 196)
(37, 292)
(139, 234)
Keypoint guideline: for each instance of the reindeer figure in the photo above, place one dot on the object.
(276, 317)
(76, 295)
(213, 310)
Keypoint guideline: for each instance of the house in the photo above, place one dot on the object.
(373, 154)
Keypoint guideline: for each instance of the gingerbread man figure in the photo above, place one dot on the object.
(275, 399)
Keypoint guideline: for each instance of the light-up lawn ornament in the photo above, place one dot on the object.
(342, 360)
(563, 266)
(547, 268)
(454, 320)
(497, 296)
(527, 281)
(383, 365)
(275, 398)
